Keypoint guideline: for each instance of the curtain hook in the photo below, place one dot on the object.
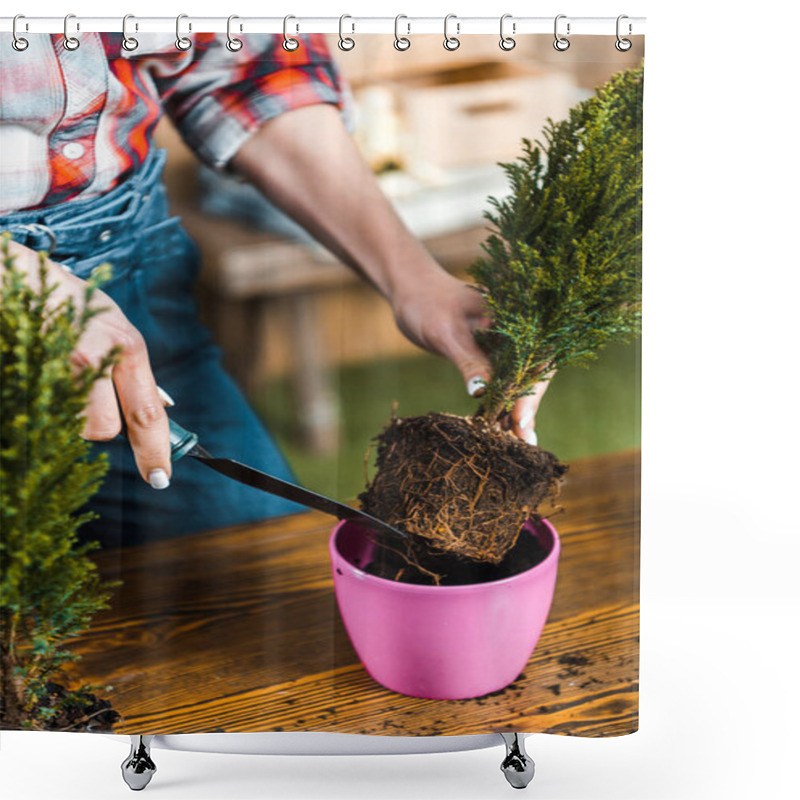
(289, 44)
(401, 42)
(71, 42)
(451, 42)
(506, 42)
(345, 42)
(234, 45)
(182, 42)
(623, 45)
(128, 42)
(561, 43)
(19, 44)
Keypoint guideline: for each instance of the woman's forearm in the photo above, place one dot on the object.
(306, 163)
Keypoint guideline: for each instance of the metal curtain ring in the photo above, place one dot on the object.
(182, 42)
(234, 45)
(623, 45)
(345, 42)
(289, 44)
(506, 42)
(401, 42)
(70, 42)
(561, 43)
(19, 44)
(451, 42)
(128, 42)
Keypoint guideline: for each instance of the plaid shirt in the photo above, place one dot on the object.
(73, 124)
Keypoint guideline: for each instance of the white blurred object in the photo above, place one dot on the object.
(378, 128)
(456, 201)
(479, 114)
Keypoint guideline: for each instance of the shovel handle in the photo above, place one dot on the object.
(181, 441)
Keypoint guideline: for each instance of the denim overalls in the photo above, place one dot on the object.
(154, 269)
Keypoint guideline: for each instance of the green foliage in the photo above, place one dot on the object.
(562, 274)
(49, 587)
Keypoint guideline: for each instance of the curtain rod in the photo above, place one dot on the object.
(407, 25)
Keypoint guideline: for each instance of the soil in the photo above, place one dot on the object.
(454, 571)
(572, 664)
(463, 489)
(78, 711)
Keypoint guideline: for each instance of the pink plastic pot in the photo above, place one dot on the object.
(441, 642)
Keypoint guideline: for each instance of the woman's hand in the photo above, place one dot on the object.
(130, 380)
(522, 419)
(441, 314)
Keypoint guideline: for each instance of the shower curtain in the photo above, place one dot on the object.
(291, 235)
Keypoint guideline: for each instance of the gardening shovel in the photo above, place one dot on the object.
(185, 443)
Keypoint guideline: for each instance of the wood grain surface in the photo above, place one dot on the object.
(237, 630)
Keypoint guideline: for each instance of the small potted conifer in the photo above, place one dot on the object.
(455, 610)
(49, 587)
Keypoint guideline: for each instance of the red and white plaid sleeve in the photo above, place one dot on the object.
(220, 97)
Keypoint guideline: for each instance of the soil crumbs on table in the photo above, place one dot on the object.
(78, 711)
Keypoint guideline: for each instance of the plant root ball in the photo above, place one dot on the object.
(458, 485)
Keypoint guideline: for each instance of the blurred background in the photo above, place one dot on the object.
(315, 349)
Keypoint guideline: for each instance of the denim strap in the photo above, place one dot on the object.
(79, 229)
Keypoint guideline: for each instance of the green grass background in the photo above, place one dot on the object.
(584, 412)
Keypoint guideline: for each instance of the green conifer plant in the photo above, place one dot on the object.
(49, 587)
(561, 279)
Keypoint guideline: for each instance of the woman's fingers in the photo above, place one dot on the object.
(143, 409)
(523, 415)
(471, 360)
(102, 414)
(468, 358)
(442, 317)
(131, 387)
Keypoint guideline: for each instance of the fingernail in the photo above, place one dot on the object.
(530, 437)
(475, 386)
(158, 479)
(165, 398)
(526, 420)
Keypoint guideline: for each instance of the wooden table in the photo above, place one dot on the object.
(238, 630)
